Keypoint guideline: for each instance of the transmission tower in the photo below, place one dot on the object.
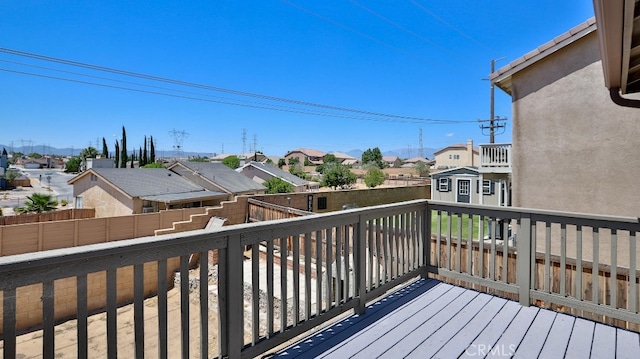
(420, 145)
(255, 143)
(244, 141)
(178, 139)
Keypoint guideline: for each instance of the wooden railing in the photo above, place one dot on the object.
(495, 155)
(279, 279)
(259, 211)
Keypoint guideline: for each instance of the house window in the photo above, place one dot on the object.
(487, 187)
(456, 157)
(443, 184)
(78, 202)
(94, 178)
(450, 156)
(322, 202)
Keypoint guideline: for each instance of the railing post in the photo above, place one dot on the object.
(361, 270)
(232, 331)
(523, 269)
(426, 241)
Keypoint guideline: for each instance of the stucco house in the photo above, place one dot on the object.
(125, 191)
(260, 172)
(392, 161)
(573, 148)
(314, 156)
(457, 155)
(466, 185)
(215, 176)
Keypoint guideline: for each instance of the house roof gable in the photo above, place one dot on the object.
(222, 176)
(276, 172)
(502, 77)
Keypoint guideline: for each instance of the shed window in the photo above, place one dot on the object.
(444, 184)
(322, 202)
(487, 187)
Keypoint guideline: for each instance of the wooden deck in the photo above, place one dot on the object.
(432, 319)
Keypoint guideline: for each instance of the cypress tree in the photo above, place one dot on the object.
(105, 149)
(123, 150)
(140, 159)
(117, 154)
(152, 155)
(145, 159)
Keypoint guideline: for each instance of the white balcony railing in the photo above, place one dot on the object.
(265, 283)
(495, 156)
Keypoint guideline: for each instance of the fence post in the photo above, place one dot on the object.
(361, 271)
(230, 302)
(523, 269)
(426, 241)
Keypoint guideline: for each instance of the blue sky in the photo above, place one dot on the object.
(417, 60)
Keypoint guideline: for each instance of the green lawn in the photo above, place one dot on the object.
(444, 226)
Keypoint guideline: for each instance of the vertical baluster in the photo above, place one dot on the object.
(614, 269)
(112, 305)
(184, 305)
(438, 251)
(138, 308)
(48, 320)
(459, 245)
(481, 222)
(534, 249)
(329, 294)
(492, 257)
(347, 271)
(318, 272)
(595, 276)
(255, 292)
(82, 313)
(633, 287)
(376, 251)
(162, 307)
(579, 262)
(563, 259)
(547, 258)
(9, 322)
(505, 251)
(283, 283)
(296, 279)
(204, 305)
(386, 269)
(307, 276)
(339, 257)
(448, 254)
(396, 240)
(270, 288)
(370, 226)
(405, 243)
(470, 245)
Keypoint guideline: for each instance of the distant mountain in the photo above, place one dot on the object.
(76, 151)
(402, 153)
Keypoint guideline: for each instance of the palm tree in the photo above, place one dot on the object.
(38, 203)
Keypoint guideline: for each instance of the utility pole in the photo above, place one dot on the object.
(492, 118)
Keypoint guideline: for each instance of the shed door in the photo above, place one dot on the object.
(464, 190)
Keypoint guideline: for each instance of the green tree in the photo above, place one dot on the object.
(373, 155)
(89, 152)
(123, 149)
(422, 169)
(117, 152)
(278, 185)
(154, 165)
(34, 155)
(232, 162)
(337, 176)
(105, 149)
(281, 162)
(144, 158)
(38, 203)
(152, 150)
(202, 159)
(73, 164)
(374, 177)
(327, 160)
(298, 170)
(293, 161)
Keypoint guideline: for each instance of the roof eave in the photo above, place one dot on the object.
(609, 19)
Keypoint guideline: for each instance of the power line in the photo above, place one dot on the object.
(207, 87)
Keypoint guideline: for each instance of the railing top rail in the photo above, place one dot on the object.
(495, 145)
(535, 214)
(278, 207)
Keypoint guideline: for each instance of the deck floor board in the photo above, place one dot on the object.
(432, 319)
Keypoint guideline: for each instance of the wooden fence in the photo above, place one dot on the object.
(60, 215)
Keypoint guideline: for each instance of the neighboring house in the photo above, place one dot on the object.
(412, 162)
(215, 176)
(221, 157)
(125, 191)
(392, 161)
(314, 156)
(458, 155)
(260, 173)
(464, 185)
(99, 163)
(345, 159)
(252, 156)
(573, 148)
